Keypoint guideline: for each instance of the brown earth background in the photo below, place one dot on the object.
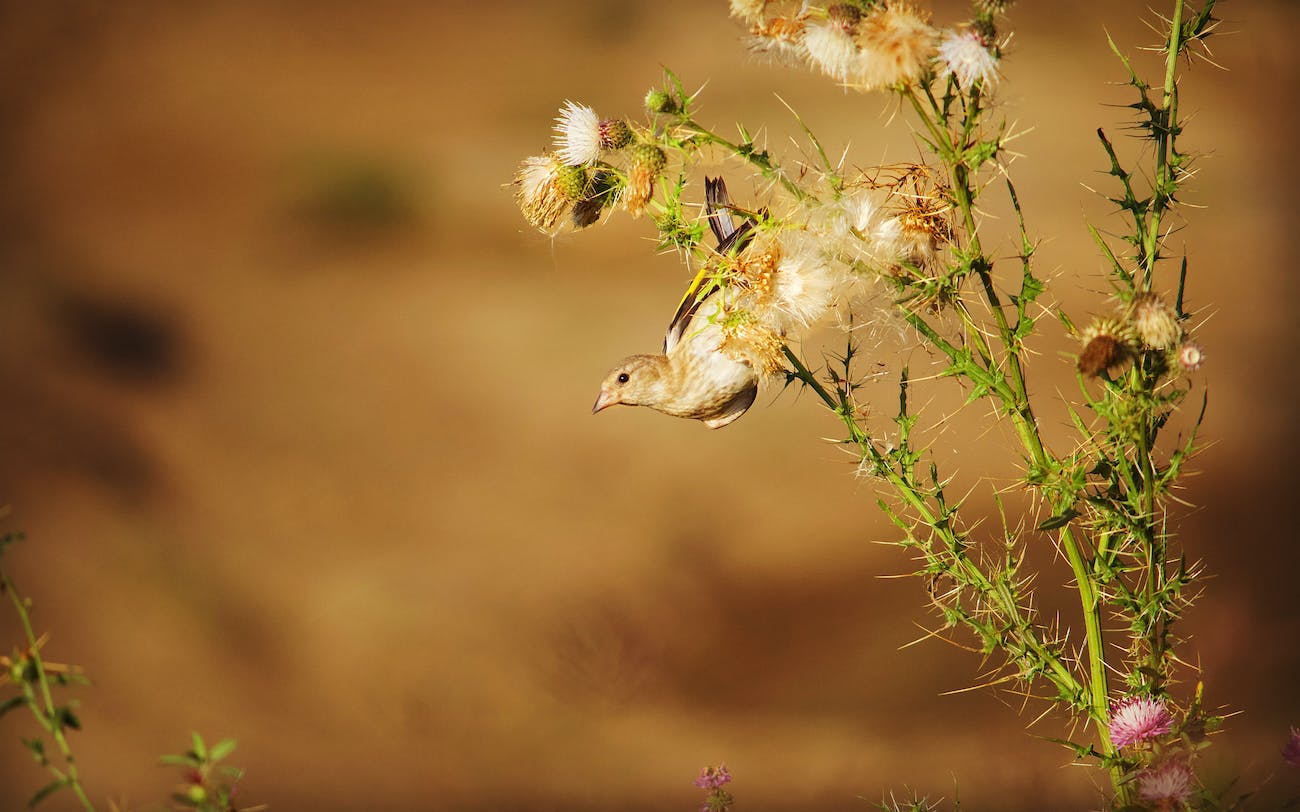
(295, 416)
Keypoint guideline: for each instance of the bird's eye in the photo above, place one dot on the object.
(623, 377)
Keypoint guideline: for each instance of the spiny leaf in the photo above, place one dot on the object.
(46, 791)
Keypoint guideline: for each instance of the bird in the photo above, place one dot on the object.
(692, 377)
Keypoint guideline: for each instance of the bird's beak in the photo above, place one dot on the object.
(605, 400)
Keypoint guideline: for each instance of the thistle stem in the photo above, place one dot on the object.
(46, 712)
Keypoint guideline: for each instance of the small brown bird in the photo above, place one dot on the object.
(692, 378)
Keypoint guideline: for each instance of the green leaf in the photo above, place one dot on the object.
(185, 760)
(11, 703)
(1060, 520)
(200, 750)
(64, 717)
(222, 749)
(37, 746)
(46, 791)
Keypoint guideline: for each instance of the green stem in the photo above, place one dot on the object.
(48, 717)
(950, 147)
(1164, 135)
(760, 160)
(1060, 674)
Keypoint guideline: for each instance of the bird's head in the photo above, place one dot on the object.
(638, 380)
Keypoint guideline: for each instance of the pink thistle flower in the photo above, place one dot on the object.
(713, 778)
(1166, 784)
(1291, 752)
(1138, 719)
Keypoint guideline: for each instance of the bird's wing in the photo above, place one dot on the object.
(718, 205)
(733, 410)
(718, 209)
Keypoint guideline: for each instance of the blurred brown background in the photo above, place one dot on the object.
(295, 415)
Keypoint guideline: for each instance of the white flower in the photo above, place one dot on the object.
(577, 134)
(967, 56)
(1190, 356)
(831, 48)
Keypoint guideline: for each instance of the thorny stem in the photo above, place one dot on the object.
(1165, 132)
(48, 715)
(760, 159)
(1025, 634)
(1014, 392)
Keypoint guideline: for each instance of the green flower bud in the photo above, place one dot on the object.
(571, 181)
(661, 101)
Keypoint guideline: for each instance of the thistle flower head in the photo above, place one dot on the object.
(832, 49)
(713, 777)
(1190, 356)
(1167, 784)
(648, 161)
(895, 44)
(782, 37)
(1138, 719)
(577, 134)
(658, 100)
(751, 11)
(804, 285)
(1291, 750)
(744, 339)
(543, 194)
(968, 57)
(1155, 322)
(1107, 343)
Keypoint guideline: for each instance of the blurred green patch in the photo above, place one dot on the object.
(353, 194)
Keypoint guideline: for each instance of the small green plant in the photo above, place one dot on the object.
(208, 785)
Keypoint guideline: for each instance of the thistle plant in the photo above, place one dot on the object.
(826, 238)
(31, 682)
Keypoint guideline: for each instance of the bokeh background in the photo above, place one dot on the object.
(296, 416)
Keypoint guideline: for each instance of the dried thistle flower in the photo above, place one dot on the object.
(831, 48)
(1155, 323)
(751, 11)
(1107, 343)
(648, 161)
(545, 194)
(804, 284)
(783, 37)
(895, 43)
(968, 57)
(745, 339)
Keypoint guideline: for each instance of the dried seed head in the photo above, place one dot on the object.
(1155, 323)
(541, 200)
(648, 161)
(969, 58)
(751, 11)
(1107, 343)
(896, 44)
(744, 339)
(844, 15)
(831, 48)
